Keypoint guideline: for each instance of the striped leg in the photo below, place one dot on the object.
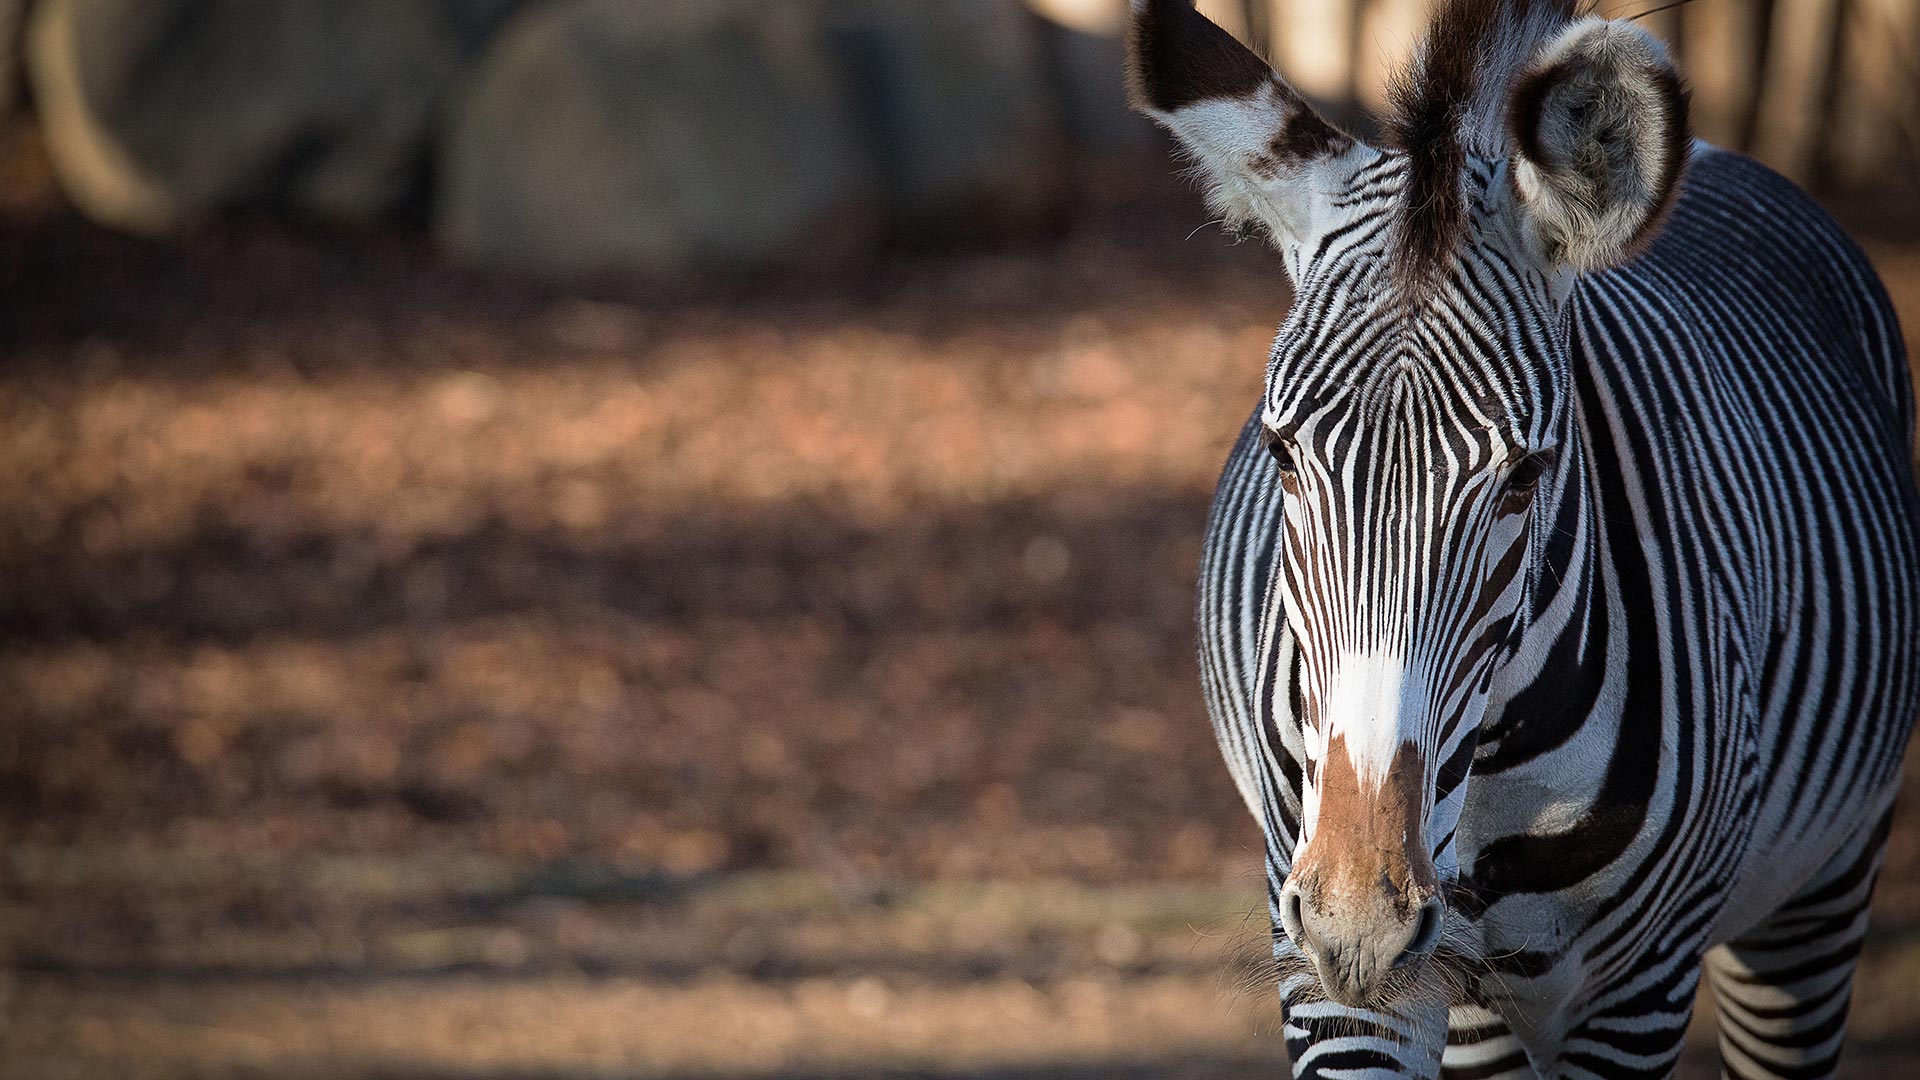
(1783, 989)
(1328, 1041)
(1480, 1046)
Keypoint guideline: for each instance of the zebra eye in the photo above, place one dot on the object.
(1282, 456)
(1522, 480)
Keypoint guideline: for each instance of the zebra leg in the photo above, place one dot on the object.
(1481, 1046)
(1782, 990)
(1327, 1040)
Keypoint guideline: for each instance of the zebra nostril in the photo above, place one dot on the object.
(1292, 917)
(1426, 934)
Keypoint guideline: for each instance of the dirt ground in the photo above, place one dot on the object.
(410, 676)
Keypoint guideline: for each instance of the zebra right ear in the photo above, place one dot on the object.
(1599, 129)
(1254, 140)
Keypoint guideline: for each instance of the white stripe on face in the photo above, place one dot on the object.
(1366, 698)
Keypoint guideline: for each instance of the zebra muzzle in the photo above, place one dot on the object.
(1362, 899)
(1355, 946)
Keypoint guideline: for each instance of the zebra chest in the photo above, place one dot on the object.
(1533, 847)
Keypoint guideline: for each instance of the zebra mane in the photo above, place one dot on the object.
(1451, 101)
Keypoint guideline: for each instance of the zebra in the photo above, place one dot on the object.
(1559, 607)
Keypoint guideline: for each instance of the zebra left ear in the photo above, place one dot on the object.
(1262, 151)
(1599, 129)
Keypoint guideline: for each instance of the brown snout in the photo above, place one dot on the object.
(1362, 897)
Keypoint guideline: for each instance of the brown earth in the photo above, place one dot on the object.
(409, 675)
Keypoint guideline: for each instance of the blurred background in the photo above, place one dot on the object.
(654, 539)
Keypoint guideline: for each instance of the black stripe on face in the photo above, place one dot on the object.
(1397, 545)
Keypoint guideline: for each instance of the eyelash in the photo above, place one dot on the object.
(1523, 480)
(1277, 449)
(1282, 457)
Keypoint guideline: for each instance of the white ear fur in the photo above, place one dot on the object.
(1599, 129)
(1265, 157)
(1231, 143)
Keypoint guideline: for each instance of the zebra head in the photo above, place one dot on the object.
(1418, 409)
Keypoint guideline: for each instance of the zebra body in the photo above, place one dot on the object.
(1757, 547)
(1560, 604)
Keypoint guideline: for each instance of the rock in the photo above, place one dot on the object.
(158, 112)
(659, 140)
(957, 99)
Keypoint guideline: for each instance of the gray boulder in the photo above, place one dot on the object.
(960, 109)
(158, 112)
(662, 140)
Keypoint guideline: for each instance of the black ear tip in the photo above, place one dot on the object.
(1178, 56)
